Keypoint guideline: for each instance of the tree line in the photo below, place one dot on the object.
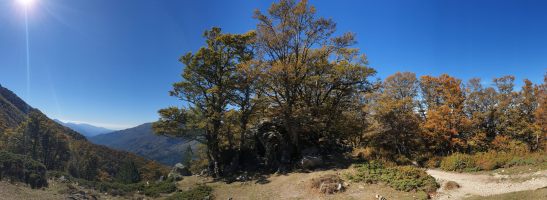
(296, 84)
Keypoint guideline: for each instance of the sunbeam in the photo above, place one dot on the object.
(28, 52)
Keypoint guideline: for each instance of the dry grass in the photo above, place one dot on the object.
(328, 184)
(10, 191)
(296, 186)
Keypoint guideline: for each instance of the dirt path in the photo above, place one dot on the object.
(485, 185)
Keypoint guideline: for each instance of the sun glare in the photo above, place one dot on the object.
(26, 3)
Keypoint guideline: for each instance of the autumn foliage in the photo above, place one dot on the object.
(294, 86)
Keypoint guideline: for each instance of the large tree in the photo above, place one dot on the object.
(446, 123)
(541, 116)
(208, 84)
(480, 107)
(309, 76)
(395, 110)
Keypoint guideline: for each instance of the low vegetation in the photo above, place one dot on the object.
(120, 188)
(490, 160)
(404, 178)
(198, 192)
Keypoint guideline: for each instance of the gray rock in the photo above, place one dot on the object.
(311, 162)
(63, 179)
(81, 195)
(179, 171)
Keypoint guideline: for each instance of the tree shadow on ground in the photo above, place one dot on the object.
(261, 174)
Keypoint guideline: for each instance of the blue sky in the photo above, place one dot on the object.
(112, 62)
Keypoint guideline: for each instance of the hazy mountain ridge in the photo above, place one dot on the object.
(142, 141)
(87, 130)
(27, 131)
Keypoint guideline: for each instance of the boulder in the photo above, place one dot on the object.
(311, 162)
(63, 179)
(81, 195)
(179, 171)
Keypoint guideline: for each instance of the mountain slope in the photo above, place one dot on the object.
(27, 131)
(12, 109)
(142, 141)
(85, 129)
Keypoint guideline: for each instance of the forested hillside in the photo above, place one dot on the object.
(142, 141)
(12, 109)
(296, 87)
(26, 131)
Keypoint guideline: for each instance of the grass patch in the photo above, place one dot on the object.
(490, 160)
(199, 192)
(403, 178)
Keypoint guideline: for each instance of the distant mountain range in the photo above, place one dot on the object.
(85, 129)
(142, 141)
(25, 130)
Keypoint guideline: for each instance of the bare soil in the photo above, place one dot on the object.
(486, 184)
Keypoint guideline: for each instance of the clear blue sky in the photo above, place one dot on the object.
(112, 62)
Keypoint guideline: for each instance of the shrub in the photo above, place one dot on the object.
(128, 173)
(433, 162)
(369, 172)
(458, 162)
(199, 192)
(366, 153)
(405, 178)
(490, 160)
(164, 187)
(22, 168)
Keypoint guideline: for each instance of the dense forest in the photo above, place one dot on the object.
(294, 87)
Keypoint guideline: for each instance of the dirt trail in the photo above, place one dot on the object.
(485, 185)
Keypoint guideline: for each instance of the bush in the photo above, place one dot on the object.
(199, 192)
(164, 187)
(458, 162)
(405, 178)
(490, 160)
(433, 162)
(22, 168)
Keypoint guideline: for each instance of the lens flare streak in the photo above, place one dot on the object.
(28, 53)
